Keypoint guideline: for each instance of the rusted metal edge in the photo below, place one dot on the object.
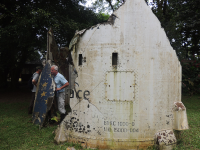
(112, 144)
(179, 106)
(116, 140)
(179, 129)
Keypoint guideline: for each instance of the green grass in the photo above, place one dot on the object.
(189, 139)
(18, 132)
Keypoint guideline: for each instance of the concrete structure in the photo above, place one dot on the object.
(128, 80)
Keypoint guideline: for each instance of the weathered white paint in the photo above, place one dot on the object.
(138, 102)
(120, 86)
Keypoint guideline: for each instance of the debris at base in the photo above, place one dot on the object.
(165, 139)
(55, 118)
(180, 121)
(70, 148)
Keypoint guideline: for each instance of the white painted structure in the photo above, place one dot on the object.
(121, 105)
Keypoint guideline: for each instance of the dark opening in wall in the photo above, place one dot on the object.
(80, 60)
(114, 59)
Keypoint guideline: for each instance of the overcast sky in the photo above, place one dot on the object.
(89, 2)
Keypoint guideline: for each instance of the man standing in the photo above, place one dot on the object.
(34, 82)
(61, 83)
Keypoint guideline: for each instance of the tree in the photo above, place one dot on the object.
(24, 25)
(107, 5)
(180, 19)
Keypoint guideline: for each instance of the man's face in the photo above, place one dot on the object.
(53, 71)
(39, 70)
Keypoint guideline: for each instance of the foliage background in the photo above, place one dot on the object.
(23, 30)
(24, 24)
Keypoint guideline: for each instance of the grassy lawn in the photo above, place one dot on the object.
(16, 128)
(18, 132)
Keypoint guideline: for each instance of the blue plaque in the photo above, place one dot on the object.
(44, 96)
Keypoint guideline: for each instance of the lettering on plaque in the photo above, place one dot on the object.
(120, 126)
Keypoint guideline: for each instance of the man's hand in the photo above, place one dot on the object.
(65, 85)
(34, 82)
(58, 89)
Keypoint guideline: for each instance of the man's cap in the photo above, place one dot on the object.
(39, 67)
